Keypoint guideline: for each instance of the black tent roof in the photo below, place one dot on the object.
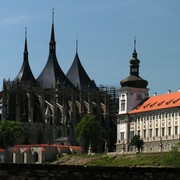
(25, 74)
(52, 72)
(78, 76)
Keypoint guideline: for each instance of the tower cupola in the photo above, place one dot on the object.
(134, 80)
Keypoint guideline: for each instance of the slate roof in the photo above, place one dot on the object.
(134, 81)
(25, 74)
(52, 72)
(157, 102)
(78, 76)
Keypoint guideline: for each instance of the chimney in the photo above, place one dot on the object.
(169, 91)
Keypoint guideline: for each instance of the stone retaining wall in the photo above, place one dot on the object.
(53, 172)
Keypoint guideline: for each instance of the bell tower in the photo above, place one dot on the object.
(133, 88)
(132, 92)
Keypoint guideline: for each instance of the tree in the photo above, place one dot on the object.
(137, 142)
(89, 131)
(10, 132)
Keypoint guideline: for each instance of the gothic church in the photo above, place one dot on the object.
(51, 105)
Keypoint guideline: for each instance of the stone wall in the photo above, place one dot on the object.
(53, 172)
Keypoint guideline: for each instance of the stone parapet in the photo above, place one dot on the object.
(48, 172)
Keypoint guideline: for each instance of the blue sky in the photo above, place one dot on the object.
(105, 31)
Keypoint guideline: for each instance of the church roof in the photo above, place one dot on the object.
(157, 102)
(25, 74)
(52, 72)
(78, 76)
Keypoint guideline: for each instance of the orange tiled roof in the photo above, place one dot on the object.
(158, 102)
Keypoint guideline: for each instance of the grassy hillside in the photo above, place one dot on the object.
(169, 159)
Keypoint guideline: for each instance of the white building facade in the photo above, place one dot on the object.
(156, 119)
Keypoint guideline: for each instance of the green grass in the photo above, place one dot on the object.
(170, 159)
(161, 159)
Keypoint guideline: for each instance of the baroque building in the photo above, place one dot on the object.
(51, 105)
(156, 119)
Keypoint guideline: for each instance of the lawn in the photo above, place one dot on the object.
(161, 159)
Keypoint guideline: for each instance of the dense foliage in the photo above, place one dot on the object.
(89, 132)
(10, 132)
(137, 142)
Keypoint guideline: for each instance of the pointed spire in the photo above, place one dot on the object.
(52, 43)
(134, 43)
(134, 62)
(53, 15)
(78, 76)
(52, 73)
(25, 74)
(76, 46)
(25, 46)
(134, 54)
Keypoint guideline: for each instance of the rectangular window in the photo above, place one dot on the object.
(138, 132)
(176, 130)
(150, 132)
(122, 105)
(156, 132)
(131, 134)
(122, 135)
(144, 133)
(163, 130)
(169, 131)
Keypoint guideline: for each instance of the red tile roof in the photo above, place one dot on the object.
(76, 148)
(26, 149)
(158, 102)
(43, 147)
(2, 150)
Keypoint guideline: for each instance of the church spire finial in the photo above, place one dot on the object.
(134, 43)
(52, 43)
(134, 54)
(25, 45)
(53, 15)
(25, 32)
(77, 44)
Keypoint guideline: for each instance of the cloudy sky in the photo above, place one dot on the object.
(105, 30)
